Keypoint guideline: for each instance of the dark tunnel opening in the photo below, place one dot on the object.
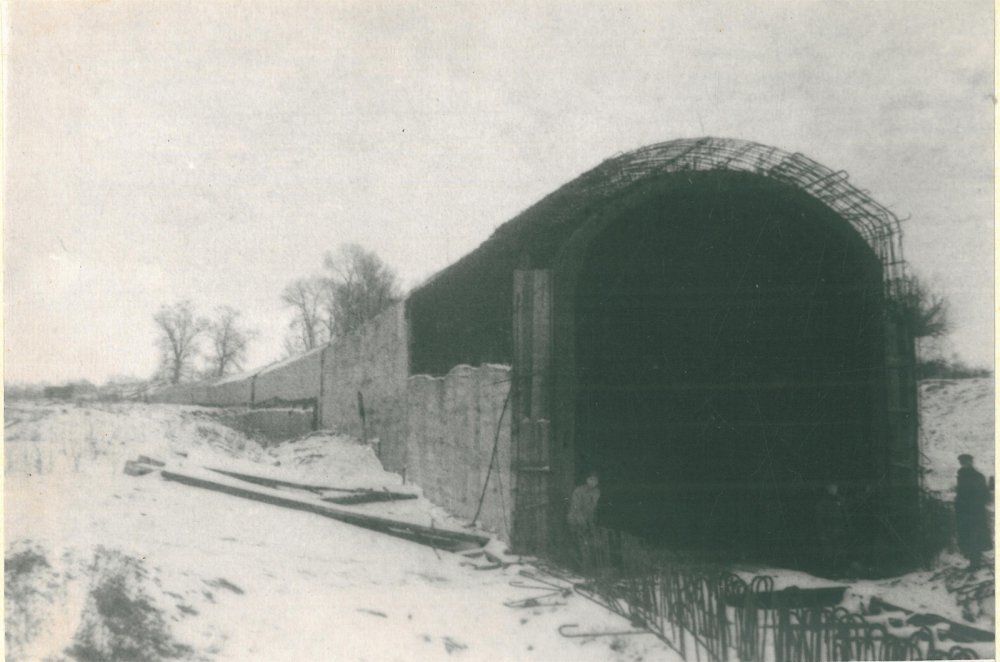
(728, 364)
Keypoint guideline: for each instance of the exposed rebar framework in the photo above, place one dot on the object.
(876, 224)
(707, 613)
(464, 314)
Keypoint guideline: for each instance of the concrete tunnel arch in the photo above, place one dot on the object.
(706, 322)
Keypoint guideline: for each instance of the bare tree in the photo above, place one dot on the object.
(178, 341)
(924, 311)
(229, 342)
(360, 286)
(305, 297)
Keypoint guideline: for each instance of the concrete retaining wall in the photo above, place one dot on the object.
(279, 424)
(452, 423)
(291, 380)
(195, 393)
(375, 363)
(230, 392)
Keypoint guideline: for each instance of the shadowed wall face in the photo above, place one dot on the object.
(728, 363)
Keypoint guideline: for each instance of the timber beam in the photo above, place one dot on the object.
(444, 539)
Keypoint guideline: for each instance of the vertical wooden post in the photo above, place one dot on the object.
(531, 399)
(901, 505)
(319, 399)
(363, 417)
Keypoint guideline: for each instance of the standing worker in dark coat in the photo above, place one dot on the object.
(831, 525)
(582, 507)
(971, 523)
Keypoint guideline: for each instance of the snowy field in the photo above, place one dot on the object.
(102, 565)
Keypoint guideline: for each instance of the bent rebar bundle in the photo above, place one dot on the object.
(707, 613)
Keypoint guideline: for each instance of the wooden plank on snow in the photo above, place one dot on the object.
(275, 482)
(372, 496)
(438, 538)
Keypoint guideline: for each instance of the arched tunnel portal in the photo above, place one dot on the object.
(720, 353)
(710, 323)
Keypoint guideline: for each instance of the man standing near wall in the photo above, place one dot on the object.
(971, 523)
(582, 508)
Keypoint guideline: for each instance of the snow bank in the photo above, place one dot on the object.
(956, 416)
(333, 458)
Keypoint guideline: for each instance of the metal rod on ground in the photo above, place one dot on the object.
(571, 630)
(368, 497)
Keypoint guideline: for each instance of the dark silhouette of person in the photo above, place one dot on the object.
(582, 507)
(971, 521)
(831, 527)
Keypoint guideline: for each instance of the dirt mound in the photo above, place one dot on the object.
(97, 605)
(119, 620)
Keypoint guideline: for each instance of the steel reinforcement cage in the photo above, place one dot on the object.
(462, 313)
(876, 224)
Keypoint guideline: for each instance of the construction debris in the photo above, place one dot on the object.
(439, 539)
(369, 496)
(958, 632)
(355, 496)
(275, 483)
(137, 468)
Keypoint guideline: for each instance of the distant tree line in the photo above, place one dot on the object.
(354, 286)
(926, 313)
(114, 389)
(194, 347)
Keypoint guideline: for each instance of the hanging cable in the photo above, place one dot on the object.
(493, 457)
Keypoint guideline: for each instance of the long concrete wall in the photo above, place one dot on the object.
(440, 431)
(291, 380)
(232, 391)
(195, 393)
(375, 363)
(452, 425)
(278, 424)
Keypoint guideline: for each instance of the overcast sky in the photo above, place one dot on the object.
(158, 151)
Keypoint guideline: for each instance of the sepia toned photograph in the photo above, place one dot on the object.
(552, 330)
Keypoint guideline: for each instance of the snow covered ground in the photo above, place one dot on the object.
(956, 416)
(102, 565)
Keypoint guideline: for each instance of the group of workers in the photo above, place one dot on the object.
(972, 525)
